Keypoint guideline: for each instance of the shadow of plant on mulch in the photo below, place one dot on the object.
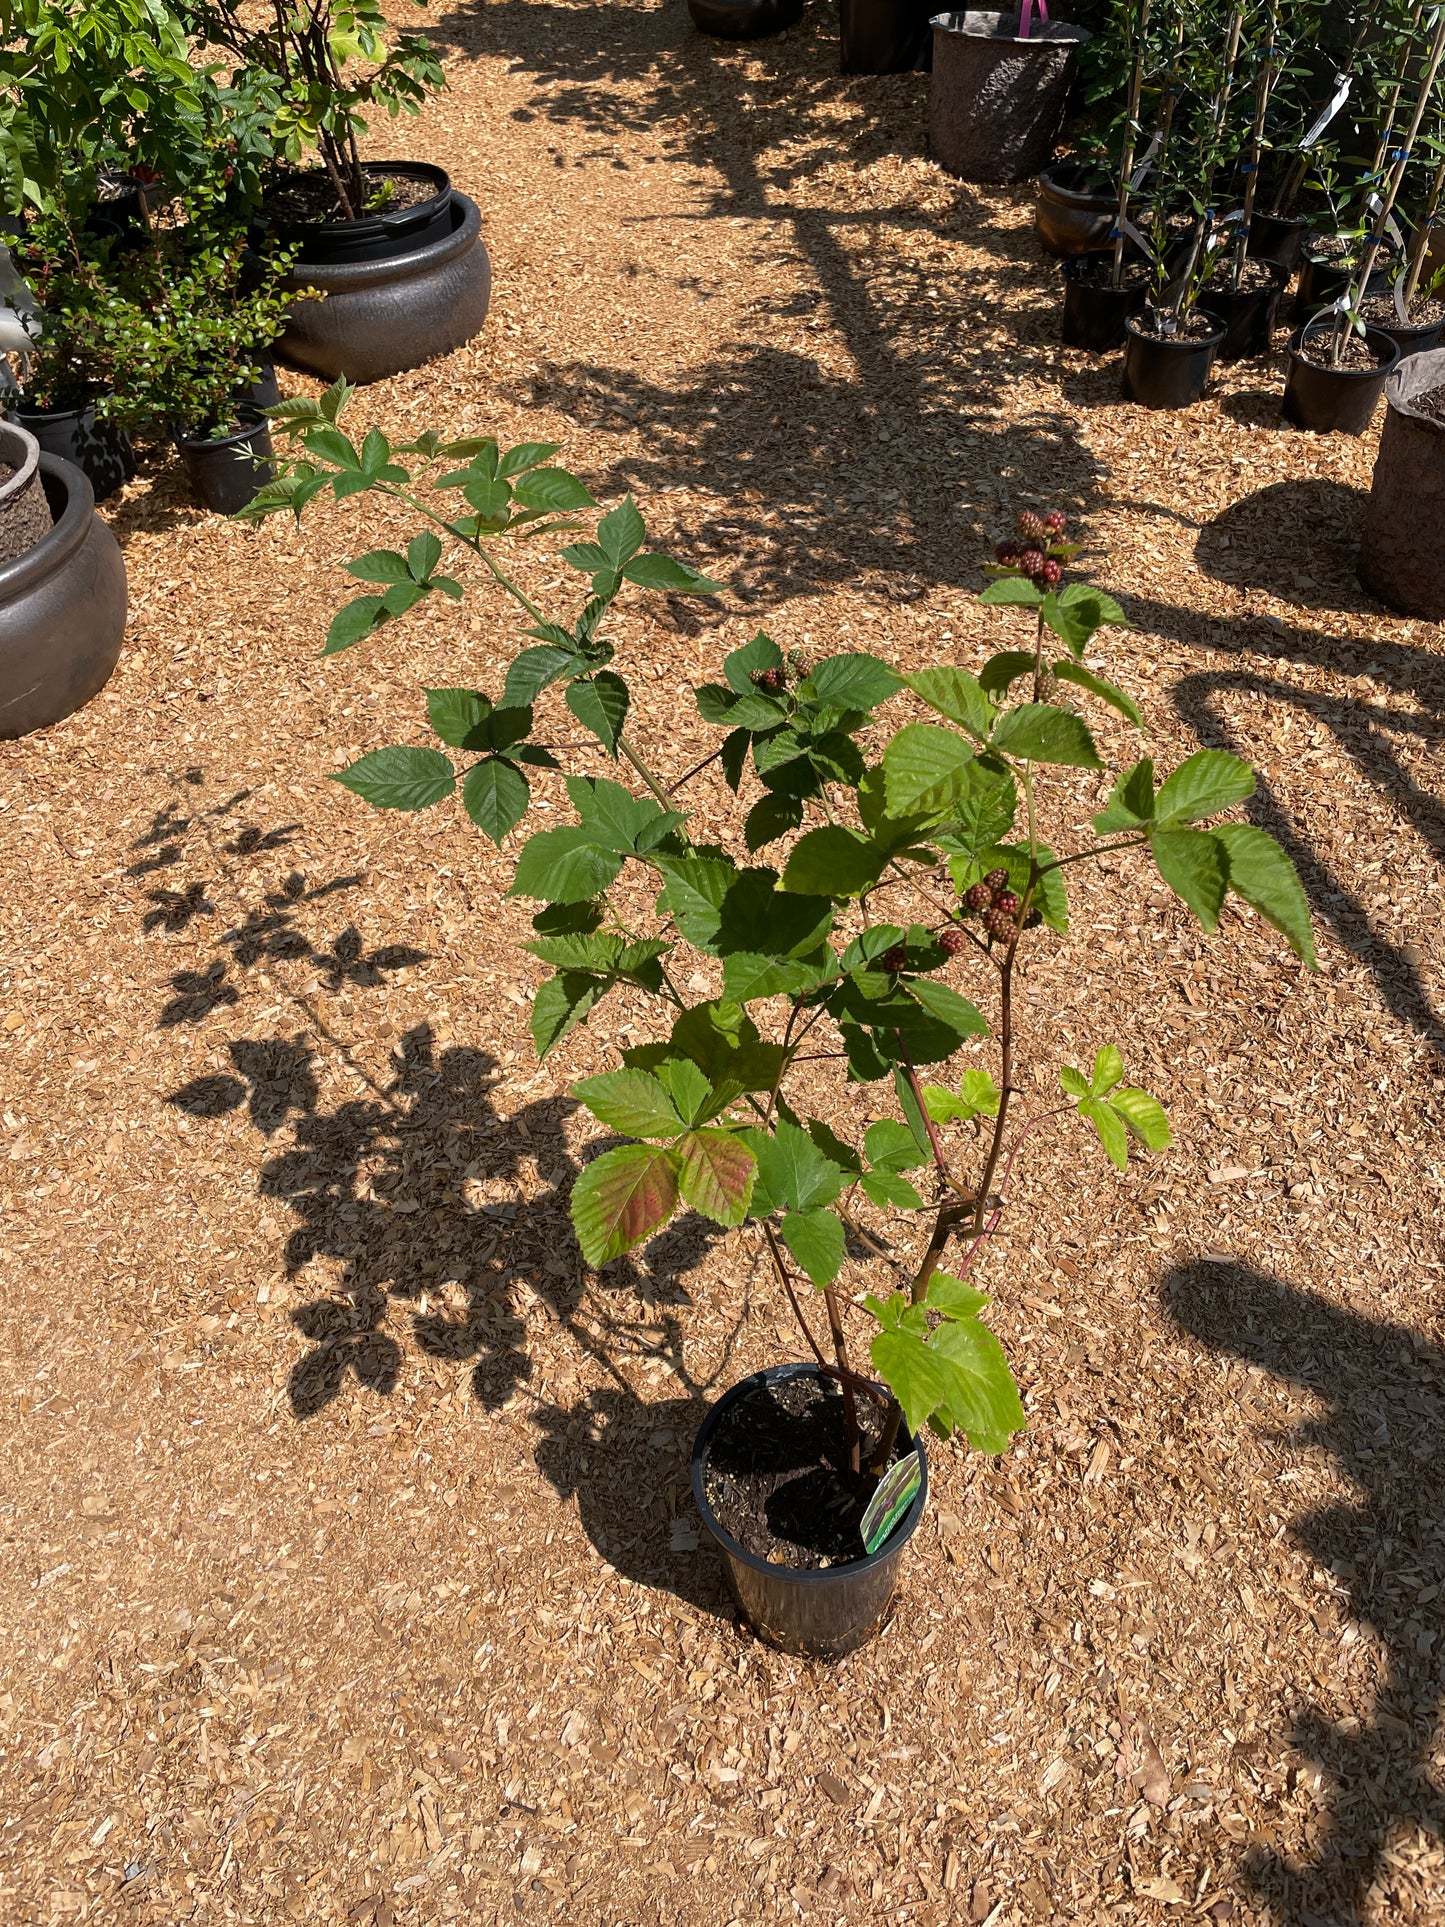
(1383, 1386)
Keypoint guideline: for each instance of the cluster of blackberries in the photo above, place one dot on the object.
(999, 906)
(773, 679)
(1029, 554)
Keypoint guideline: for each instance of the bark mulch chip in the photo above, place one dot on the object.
(350, 1569)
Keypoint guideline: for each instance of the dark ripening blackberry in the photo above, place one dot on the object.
(895, 958)
(995, 881)
(1008, 551)
(1007, 902)
(1033, 919)
(977, 898)
(1033, 528)
(953, 942)
(1053, 574)
(998, 926)
(1032, 563)
(773, 679)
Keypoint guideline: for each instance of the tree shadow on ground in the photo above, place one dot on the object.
(859, 470)
(1383, 1385)
(1297, 540)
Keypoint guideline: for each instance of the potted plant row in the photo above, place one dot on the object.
(869, 912)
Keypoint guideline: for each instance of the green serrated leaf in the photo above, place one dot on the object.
(1108, 1070)
(886, 1188)
(816, 1239)
(495, 795)
(356, 620)
(1131, 802)
(1013, 591)
(622, 533)
(949, 1007)
(664, 573)
(564, 866)
(1106, 691)
(1261, 873)
(954, 693)
(552, 491)
(717, 1174)
(400, 779)
(423, 553)
(621, 1198)
(633, 1102)
(1004, 668)
(1195, 865)
(980, 1397)
(1073, 1081)
(1144, 1116)
(561, 1003)
(1106, 1121)
(954, 1297)
(912, 1372)
(378, 565)
(832, 862)
(1209, 781)
(1043, 733)
(923, 767)
(459, 717)
(600, 704)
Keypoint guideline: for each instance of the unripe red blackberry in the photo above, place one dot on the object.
(1032, 527)
(895, 958)
(998, 925)
(1056, 522)
(769, 679)
(1007, 902)
(1053, 574)
(996, 880)
(1032, 563)
(952, 941)
(978, 897)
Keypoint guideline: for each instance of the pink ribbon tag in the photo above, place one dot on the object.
(1026, 15)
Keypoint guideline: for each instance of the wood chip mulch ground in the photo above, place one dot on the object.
(349, 1569)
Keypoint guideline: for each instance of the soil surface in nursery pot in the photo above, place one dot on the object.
(1379, 312)
(1097, 271)
(1254, 274)
(776, 1474)
(308, 197)
(1356, 357)
(1197, 327)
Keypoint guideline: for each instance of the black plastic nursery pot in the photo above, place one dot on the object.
(1162, 372)
(62, 609)
(826, 1613)
(1324, 278)
(885, 36)
(226, 471)
(1249, 315)
(1335, 401)
(1095, 313)
(381, 316)
(1277, 237)
(378, 236)
(1069, 217)
(1412, 340)
(997, 99)
(1402, 555)
(744, 19)
(101, 451)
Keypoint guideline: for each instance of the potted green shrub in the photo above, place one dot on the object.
(392, 243)
(846, 919)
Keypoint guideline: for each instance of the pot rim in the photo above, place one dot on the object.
(28, 468)
(1072, 263)
(1398, 402)
(1384, 367)
(21, 411)
(383, 218)
(229, 440)
(62, 540)
(1046, 33)
(1072, 196)
(1173, 341)
(796, 1575)
(346, 277)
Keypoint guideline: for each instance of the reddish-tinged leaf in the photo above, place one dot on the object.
(621, 1198)
(717, 1175)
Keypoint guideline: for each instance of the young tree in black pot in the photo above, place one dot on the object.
(894, 878)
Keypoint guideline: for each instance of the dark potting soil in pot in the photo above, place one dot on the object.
(776, 1474)
(1356, 356)
(1195, 327)
(1097, 271)
(1254, 274)
(1379, 312)
(1431, 404)
(307, 198)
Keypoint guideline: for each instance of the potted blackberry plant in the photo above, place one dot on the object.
(868, 912)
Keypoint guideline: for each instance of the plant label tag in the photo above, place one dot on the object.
(897, 1490)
